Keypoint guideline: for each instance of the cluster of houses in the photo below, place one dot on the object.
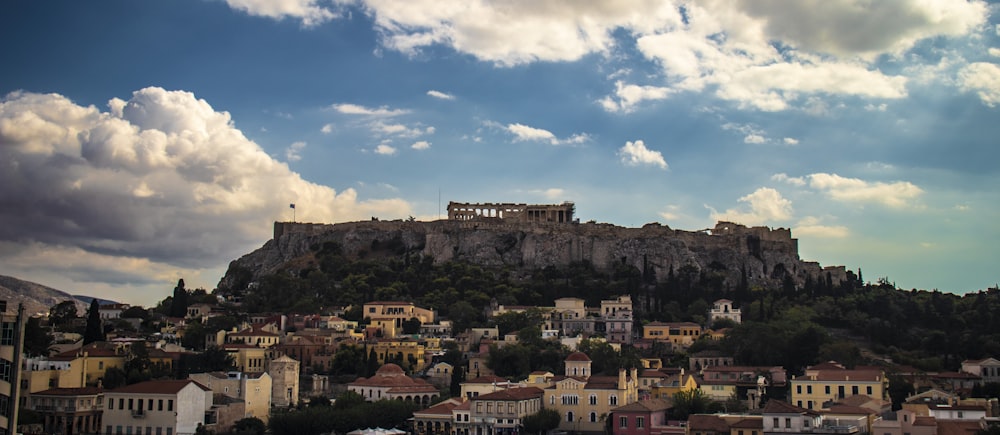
(278, 358)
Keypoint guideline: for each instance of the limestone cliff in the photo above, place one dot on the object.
(766, 255)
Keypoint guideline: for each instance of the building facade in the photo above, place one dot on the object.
(175, 407)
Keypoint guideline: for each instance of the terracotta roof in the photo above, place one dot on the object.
(780, 407)
(391, 376)
(705, 422)
(958, 427)
(850, 410)
(650, 405)
(924, 420)
(577, 356)
(845, 376)
(512, 394)
(602, 383)
(749, 423)
(85, 391)
(158, 387)
(441, 409)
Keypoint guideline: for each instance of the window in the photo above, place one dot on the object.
(788, 423)
(6, 370)
(149, 407)
(121, 403)
(809, 389)
(776, 424)
(639, 422)
(613, 400)
(569, 416)
(593, 417)
(798, 389)
(868, 390)
(622, 422)
(854, 390)
(111, 404)
(170, 406)
(100, 365)
(7, 334)
(593, 399)
(130, 403)
(159, 405)
(961, 414)
(570, 400)
(827, 389)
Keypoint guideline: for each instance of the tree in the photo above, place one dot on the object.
(457, 377)
(542, 421)
(213, 359)
(692, 402)
(36, 340)
(63, 314)
(411, 326)
(95, 327)
(114, 377)
(249, 426)
(178, 306)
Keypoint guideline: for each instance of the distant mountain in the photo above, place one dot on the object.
(36, 298)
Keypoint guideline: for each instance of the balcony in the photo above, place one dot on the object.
(138, 413)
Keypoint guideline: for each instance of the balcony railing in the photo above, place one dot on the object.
(138, 413)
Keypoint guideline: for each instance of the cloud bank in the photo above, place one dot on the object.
(157, 184)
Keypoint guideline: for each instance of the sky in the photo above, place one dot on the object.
(144, 142)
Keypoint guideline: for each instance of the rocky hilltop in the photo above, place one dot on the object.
(766, 255)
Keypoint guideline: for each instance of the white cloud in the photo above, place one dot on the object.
(752, 135)
(896, 194)
(993, 51)
(294, 151)
(636, 153)
(983, 79)
(161, 182)
(327, 129)
(550, 194)
(670, 213)
(629, 96)
(421, 145)
(790, 141)
(795, 181)
(308, 11)
(754, 139)
(524, 133)
(765, 204)
(440, 95)
(876, 107)
(812, 227)
(354, 109)
(385, 150)
(400, 130)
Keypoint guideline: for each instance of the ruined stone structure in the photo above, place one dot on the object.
(531, 237)
(559, 213)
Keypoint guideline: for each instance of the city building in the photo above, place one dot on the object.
(254, 389)
(69, 410)
(11, 350)
(829, 382)
(391, 382)
(284, 373)
(171, 407)
(679, 334)
(723, 309)
(500, 413)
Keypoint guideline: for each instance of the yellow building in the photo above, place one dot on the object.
(830, 381)
(390, 315)
(673, 385)
(248, 358)
(404, 352)
(584, 403)
(679, 334)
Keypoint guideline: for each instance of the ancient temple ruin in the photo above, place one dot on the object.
(556, 213)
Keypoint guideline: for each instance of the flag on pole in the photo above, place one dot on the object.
(291, 205)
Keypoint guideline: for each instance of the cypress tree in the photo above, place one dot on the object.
(95, 328)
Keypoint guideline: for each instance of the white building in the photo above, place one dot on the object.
(723, 309)
(173, 407)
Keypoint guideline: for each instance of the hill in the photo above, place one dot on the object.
(37, 298)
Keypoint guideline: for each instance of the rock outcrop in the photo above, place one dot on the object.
(767, 255)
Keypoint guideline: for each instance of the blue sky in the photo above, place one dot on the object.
(143, 142)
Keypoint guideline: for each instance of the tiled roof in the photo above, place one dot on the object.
(391, 376)
(602, 383)
(441, 409)
(158, 387)
(650, 405)
(851, 410)
(749, 423)
(577, 356)
(512, 394)
(958, 427)
(780, 407)
(924, 420)
(85, 391)
(704, 422)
